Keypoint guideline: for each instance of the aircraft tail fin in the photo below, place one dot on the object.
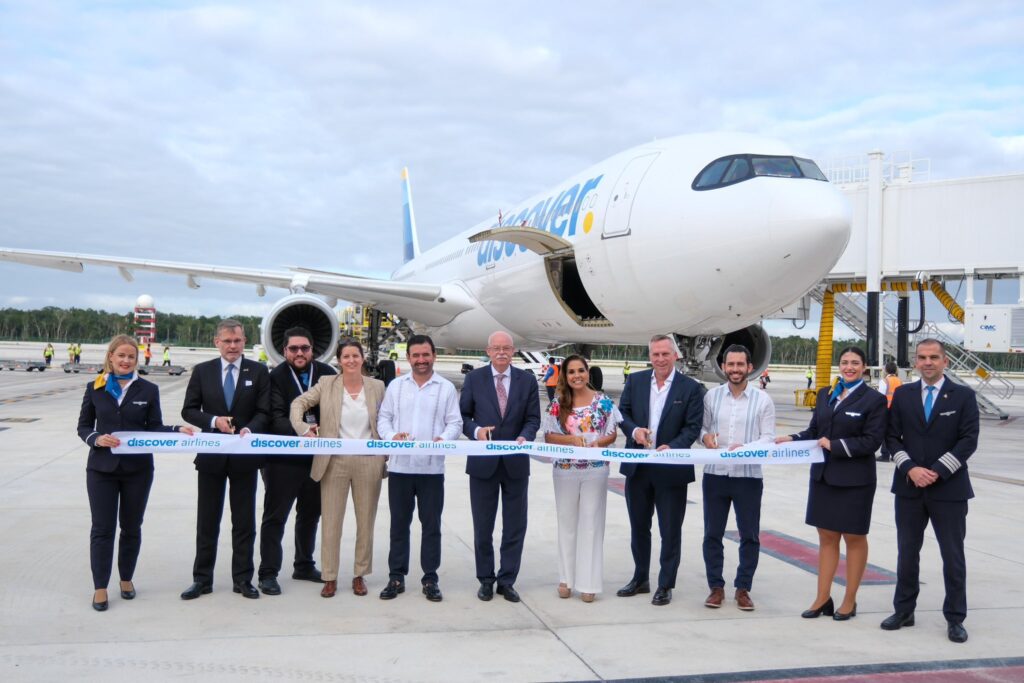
(410, 240)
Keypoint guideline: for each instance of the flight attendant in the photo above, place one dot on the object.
(118, 485)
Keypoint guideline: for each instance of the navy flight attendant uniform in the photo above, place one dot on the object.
(118, 485)
(842, 488)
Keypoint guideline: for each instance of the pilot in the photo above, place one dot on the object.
(419, 406)
(661, 408)
(286, 478)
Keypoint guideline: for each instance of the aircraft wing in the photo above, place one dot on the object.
(391, 295)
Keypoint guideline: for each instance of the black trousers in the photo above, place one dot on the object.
(115, 497)
(288, 484)
(407, 492)
(949, 522)
(242, 495)
(483, 498)
(742, 494)
(645, 494)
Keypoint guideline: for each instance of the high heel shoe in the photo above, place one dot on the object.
(130, 593)
(828, 608)
(839, 616)
(564, 591)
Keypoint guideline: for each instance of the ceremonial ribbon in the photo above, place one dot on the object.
(794, 452)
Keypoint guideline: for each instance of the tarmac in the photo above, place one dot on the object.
(48, 631)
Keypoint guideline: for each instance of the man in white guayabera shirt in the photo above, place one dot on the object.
(419, 406)
(735, 413)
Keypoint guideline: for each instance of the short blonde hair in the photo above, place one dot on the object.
(115, 343)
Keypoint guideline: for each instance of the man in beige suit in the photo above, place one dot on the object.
(348, 409)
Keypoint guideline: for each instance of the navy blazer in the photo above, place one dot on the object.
(680, 421)
(284, 390)
(479, 406)
(943, 443)
(204, 400)
(856, 428)
(139, 412)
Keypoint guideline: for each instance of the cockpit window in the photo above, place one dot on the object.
(739, 167)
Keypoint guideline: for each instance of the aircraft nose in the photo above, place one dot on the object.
(810, 220)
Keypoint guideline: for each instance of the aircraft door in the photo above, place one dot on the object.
(620, 201)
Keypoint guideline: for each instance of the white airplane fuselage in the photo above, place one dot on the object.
(653, 254)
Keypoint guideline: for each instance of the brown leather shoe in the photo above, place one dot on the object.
(743, 600)
(358, 586)
(329, 589)
(715, 597)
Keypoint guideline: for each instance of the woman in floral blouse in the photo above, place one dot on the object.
(580, 416)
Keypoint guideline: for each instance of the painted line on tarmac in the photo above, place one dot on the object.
(39, 394)
(992, 670)
(800, 553)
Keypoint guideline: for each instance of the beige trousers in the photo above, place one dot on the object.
(362, 475)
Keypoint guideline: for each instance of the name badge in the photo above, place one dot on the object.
(248, 382)
(853, 414)
(948, 413)
(140, 403)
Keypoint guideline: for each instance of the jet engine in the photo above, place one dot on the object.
(754, 338)
(300, 310)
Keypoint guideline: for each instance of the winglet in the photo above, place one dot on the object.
(410, 241)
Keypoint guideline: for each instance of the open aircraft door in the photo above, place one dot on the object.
(620, 201)
(559, 265)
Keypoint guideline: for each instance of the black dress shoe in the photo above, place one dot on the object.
(839, 616)
(270, 586)
(246, 589)
(633, 587)
(486, 591)
(195, 590)
(828, 608)
(432, 591)
(392, 590)
(662, 596)
(509, 592)
(956, 632)
(897, 621)
(308, 575)
(102, 607)
(128, 594)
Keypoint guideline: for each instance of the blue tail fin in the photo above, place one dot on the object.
(410, 241)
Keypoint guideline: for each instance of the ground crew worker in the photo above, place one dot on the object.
(167, 356)
(148, 353)
(78, 353)
(263, 358)
(48, 354)
(625, 370)
(71, 352)
(810, 378)
(551, 379)
(887, 385)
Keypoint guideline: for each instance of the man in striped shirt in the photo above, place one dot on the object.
(735, 413)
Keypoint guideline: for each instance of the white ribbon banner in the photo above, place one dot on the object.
(794, 452)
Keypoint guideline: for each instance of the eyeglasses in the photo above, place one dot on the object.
(305, 348)
(506, 349)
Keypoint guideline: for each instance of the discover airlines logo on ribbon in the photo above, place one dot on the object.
(795, 452)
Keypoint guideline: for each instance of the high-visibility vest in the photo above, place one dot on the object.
(553, 379)
(892, 383)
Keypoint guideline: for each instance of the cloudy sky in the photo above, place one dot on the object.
(272, 134)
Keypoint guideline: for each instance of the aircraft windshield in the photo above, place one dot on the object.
(739, 167)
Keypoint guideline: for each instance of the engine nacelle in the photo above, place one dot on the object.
(754, 338)
(300, 310)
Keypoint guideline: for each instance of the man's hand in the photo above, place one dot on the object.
(664, 447)
(710, 440)
(642, 435)
(437, 438)
(245, 431)
(520, 440)
(734, 446)
(484, 433)
(188, 429)
(922, 476)
(223, 425)
(401, 436)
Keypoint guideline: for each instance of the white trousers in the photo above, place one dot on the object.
(581, 497)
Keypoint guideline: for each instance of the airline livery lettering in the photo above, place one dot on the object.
(558, 215)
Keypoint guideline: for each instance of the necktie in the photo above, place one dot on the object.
(304, 378)
(929, 401)
(502, 395)
(229, 386)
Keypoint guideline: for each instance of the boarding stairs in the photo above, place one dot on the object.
(988, 384)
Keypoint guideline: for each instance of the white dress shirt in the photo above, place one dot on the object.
(746, 419)
(425, 413)
(657, 404)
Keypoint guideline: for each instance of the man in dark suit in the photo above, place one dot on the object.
(933, 430)
(286, 478)
(499, 403)
(230, 395)
(660, 408)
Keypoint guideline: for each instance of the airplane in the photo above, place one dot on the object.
(701, 236)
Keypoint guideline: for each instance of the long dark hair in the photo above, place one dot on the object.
(857, 351)
(562, 390)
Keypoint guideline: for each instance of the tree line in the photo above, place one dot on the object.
(86, 325)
